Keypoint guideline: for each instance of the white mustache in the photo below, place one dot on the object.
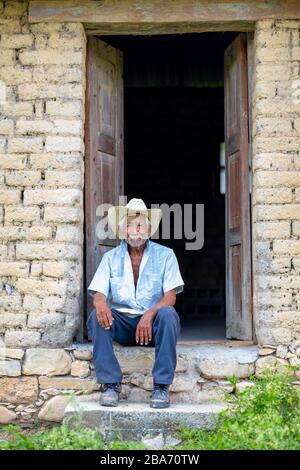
(136, 236)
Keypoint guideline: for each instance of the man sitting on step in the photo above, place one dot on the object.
(135, 289)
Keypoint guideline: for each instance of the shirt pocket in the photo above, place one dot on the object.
(119, 289)
(152, 285)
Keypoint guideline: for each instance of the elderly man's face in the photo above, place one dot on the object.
(136, 230)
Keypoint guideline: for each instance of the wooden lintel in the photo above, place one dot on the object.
(156, 16)
(164, 28)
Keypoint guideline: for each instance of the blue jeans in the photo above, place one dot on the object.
(165, 330)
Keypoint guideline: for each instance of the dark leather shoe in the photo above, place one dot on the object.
(110, 394)
(160, 396)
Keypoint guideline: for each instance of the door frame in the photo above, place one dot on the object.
(250, 67)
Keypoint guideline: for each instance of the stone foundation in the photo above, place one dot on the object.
(40, 382)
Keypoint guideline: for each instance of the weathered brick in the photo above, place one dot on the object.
(272, 54)
(11, 109)
(44, 321)
(62, 214)
(23, 178)
(36, 269)
(6, 125)
(274, 126)
(25, 144)
(58, 73)
(276, 300)
(281, 144)
(33, 127)
(66, 144)
(10, 196)
(22, 338)
(268, 72)
(10, 302)
(68, 234)
(50, 251)
(12, 320)
(68, 127)
(39, 233)
(297, 194)
(55, 268)
(71, 178)
(15, 75)
(67, 161)
(66, 40)
(52, 196)
(31, 286)
(10, 232)
(34, 91)
(278, 178)
(31, 303)
(296, 228)
(281, 282)
(16, 41)
(291, 247)
(272, 195)
(46, 56)
(273, 229)
(22, 214)
(17, 162)
(272, 38)
(14, 269)
(277, 212)
(53, 303)
(7, 57)
(67, 109)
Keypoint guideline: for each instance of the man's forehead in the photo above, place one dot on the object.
(139, 217)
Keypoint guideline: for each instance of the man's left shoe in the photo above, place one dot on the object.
(160, 396)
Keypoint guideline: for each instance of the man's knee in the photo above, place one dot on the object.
(93, 323)
(167, 314)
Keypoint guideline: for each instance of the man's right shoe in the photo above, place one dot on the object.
(110, 394)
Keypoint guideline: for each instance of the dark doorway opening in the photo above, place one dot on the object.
(173, 131)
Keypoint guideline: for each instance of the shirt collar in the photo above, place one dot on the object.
(124, 245)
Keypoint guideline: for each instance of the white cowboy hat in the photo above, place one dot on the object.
(134, 206)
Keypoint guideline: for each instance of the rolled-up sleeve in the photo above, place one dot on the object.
(100, 281)
(172, 276)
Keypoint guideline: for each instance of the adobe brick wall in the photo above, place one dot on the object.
(276, 183)
(42, 85)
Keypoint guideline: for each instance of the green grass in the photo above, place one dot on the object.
(63, 437)
(265, 416)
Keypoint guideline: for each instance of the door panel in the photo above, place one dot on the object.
(238, 237)
(104, 180)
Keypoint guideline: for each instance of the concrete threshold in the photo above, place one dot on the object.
(156, 428)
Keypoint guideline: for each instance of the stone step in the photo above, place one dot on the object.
(137, 421)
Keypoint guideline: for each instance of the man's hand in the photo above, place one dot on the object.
(144, 328)
(103, 312)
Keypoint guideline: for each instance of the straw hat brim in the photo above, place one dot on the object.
(116, 213)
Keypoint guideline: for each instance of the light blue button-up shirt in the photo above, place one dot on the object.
(158, 273)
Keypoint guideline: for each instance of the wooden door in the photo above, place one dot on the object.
(238, 235)
(104, 168)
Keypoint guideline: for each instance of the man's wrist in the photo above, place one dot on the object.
(100, 304)
(153, 311)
